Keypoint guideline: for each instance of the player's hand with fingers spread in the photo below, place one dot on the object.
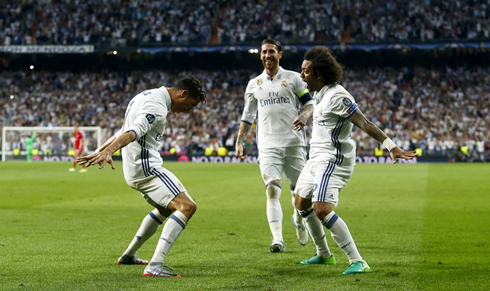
(100, 158)
(398, 153)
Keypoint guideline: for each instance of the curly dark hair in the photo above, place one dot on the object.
(273, 42)
(325, 65)
(194, 86)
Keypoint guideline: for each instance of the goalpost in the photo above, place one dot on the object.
(50, 143)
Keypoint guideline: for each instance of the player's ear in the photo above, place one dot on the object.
(184, 94)
(280, 54)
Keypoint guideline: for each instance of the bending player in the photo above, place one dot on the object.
(140, 137)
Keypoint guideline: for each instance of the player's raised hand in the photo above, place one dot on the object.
(398, 153)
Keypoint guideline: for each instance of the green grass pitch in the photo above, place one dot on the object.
(420, 227)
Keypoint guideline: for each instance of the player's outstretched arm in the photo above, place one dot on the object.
(85, 159)
(105, 156)
(106, 144)
(359, 120)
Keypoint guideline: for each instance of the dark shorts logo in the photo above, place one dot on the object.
(347, 102)
(150, 118)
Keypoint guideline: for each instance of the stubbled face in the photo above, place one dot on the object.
(270, 56)
(313, 82)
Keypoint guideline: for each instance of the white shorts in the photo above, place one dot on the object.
(160, 188)
(321, 181)
(274, 161)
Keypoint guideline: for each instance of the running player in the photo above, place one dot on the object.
(332, 157)
(277, 96)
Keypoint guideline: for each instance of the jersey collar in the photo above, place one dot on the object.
(278, 75)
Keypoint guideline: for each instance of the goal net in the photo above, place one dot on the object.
(49, 143)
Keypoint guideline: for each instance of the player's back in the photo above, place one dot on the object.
(146, 116)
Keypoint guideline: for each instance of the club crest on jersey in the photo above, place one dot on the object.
(260, 82)
(150, 118)
(347, 102)
(284, 84)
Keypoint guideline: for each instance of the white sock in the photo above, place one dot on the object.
(148, 227)
(315, 228)
(274, 211)
(170, 232)
(341, 235)
(296, 215)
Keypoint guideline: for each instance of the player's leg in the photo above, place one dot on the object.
(271, 167)
(330, 179)
(75, 156)
(303, 195)
(79, 153)
(29, 154)
(172, 196)
(274, 215)
(148, 227)
(295, 161)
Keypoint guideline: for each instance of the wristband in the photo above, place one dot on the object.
(389, 144)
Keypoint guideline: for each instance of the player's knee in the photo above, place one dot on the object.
(301, 203)
(188, 208)
(273, 191)
(161, 211)
(322, 209)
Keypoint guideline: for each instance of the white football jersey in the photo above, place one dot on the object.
(275, 103)
(146, 117)
(331, 135)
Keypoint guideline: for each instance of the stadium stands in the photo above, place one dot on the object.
(129, 23)
(438, 111)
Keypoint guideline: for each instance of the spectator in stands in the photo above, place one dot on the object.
(438, 107)
(118, 23)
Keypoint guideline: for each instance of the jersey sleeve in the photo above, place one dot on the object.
(149, 114)
(343, 104)
(250, 106)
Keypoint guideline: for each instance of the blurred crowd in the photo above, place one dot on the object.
(440, 112)
(203, 22)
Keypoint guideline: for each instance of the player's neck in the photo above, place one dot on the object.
(272, 73)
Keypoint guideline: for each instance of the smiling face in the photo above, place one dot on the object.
(270, 56)
(313, 82)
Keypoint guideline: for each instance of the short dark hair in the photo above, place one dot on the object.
(324, 64)
(194, 86)
(273, 42)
